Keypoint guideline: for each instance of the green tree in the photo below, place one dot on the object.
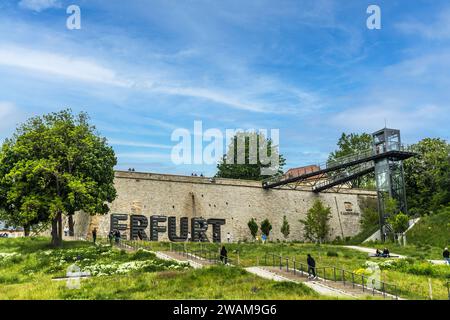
(390, 206)
(369, 213)
(427, 176)
(399, 222)
(54, 165)
(349, 144)
(285, 228)
(266, 227)
(253, 145)
(316, 222)
(253, 226)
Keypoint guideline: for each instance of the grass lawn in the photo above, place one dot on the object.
(27, 266)
(410, 276)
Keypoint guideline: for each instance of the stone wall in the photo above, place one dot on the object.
(237, 201)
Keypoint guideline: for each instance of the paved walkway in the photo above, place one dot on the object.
(315, 285)
(193, 261)
(372, 251)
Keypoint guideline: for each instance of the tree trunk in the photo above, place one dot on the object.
(57, 230)
(71, 225)
(60, 228)
(26, 230)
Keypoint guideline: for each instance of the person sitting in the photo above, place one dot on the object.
(378, 253)
(386, 253)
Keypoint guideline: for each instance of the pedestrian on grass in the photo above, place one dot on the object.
(446, 255)
(111, 236)
(223, 255)
(117, 236)
(66, 231)
(94, 235)
(311, 267)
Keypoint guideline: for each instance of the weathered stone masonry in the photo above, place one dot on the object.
(236, 201)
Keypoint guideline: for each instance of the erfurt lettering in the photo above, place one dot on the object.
(177, 231)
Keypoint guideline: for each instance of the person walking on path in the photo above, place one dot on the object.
(94, 235)
(229, 237)
(446, 255)
(311, 267)
(223, 255)
(117, 236)
(111, 236)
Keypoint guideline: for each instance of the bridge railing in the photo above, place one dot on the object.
(330, 164)
(354, 280)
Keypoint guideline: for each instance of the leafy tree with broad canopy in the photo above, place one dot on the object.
(349, 144)
(427, 176)
(316, 223)
(52, 166)
(249, 147)
(399, 222)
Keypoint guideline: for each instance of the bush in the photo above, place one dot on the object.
(332, 254)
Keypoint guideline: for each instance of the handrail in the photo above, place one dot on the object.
(337, 275)
(329, 164)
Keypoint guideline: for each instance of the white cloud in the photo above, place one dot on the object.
(10, 116)
(137, 144)
(59, 65)
(39, 5)
(143, 156)
(410, 120)
(436, 28)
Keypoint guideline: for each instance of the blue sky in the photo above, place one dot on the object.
(309, 68)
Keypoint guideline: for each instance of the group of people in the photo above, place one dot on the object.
(384, 254)
(114, 235)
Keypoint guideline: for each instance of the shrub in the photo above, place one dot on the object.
(253, 226)
(332, 254)
(266, 226)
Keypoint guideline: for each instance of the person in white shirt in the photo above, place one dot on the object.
(229, 237)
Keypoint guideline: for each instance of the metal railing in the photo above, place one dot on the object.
(211, 256)
(355, 157)
(335, 274)
(201, 254)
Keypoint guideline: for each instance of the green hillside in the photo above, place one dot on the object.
(432, 230)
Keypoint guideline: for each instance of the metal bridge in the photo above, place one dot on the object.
(339, 171)
(385, 159)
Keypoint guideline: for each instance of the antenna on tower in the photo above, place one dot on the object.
(385, 123)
